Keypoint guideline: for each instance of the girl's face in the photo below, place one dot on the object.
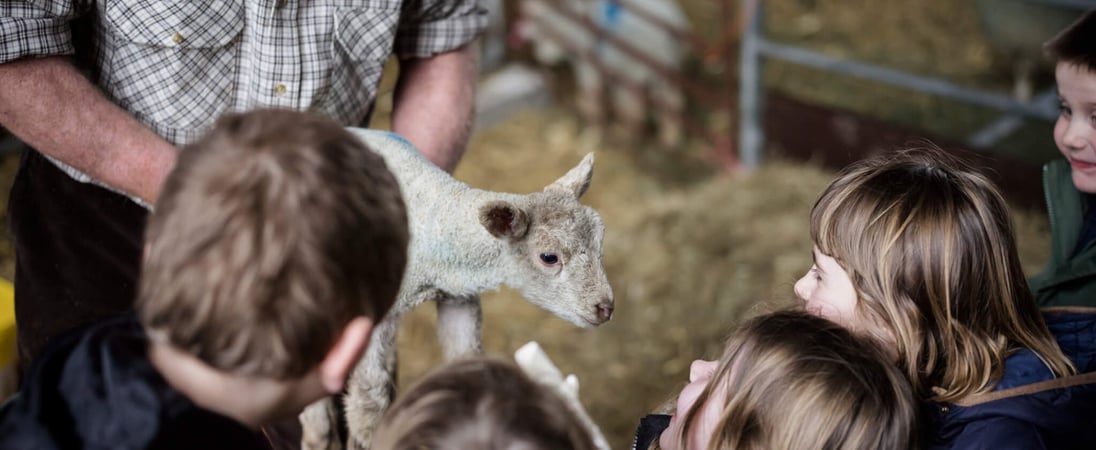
(828, 291)
(703, 426)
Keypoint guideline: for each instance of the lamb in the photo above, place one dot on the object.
(556, 37)
(465, 241)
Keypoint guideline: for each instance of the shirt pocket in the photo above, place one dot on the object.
(174, 63)
(364, 36)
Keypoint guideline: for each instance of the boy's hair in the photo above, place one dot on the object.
(1076, 44)
(272, 232)
(929, 247)
(480, 403)
(792, 380)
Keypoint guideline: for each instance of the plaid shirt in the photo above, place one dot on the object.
(177, 65)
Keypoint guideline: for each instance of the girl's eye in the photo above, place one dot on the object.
(1064, 110)
(549, 259)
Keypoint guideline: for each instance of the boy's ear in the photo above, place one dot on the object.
(345, 354)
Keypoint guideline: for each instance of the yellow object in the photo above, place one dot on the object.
(7, 324)
(177, 38)
(279, 89)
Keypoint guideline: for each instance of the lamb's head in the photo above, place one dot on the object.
(554, 244)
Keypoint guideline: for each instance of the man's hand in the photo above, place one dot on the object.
(49, 105)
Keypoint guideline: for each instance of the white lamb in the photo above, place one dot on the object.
(465, 241)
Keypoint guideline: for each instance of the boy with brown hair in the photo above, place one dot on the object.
(1070, 184)
(279, 241)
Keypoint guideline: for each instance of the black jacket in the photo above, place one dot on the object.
(96, 389)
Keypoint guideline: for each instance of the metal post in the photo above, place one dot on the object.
(751, 136)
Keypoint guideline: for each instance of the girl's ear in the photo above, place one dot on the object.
(345, 354)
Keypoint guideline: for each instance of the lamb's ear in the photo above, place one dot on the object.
(503, 219)
(576, 180)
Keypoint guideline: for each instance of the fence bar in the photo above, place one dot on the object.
(1004, 126)
(751, 136)
(898, 78)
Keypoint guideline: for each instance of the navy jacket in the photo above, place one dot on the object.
(1030, 409)
(96, 389)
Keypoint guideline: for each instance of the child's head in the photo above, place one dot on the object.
(1074, 53)
(273, 233)
(480, 403)
(924, 246)
(792, 380)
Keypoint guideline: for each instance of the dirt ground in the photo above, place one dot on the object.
(691, 251)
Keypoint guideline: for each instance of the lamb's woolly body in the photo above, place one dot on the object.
(466, 241)
(450, 250)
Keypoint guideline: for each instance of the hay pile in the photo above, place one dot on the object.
(689, 254)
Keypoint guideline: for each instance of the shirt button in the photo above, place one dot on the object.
(281, 3)
(279, 89)
(177, 39)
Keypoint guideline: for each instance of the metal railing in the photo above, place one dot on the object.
(751, 103)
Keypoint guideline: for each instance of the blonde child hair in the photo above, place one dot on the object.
(928, 245)
(480, 403)
(791, 380)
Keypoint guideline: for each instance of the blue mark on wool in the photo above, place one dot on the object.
(398, 138)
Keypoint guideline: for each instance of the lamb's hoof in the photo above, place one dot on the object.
(354, 444)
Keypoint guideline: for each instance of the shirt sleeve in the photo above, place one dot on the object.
(429, 27)
(36, 28)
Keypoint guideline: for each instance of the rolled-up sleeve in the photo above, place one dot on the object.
(35, 28)
(429, 27)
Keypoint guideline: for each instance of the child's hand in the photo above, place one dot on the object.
(535, 363)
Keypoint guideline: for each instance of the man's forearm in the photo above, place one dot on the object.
(49, 105)
(435, 103)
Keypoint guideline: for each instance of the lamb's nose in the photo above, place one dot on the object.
(605, 311)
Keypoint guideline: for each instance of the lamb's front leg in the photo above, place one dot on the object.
(372, 385)
(459, 326)
(319, 426)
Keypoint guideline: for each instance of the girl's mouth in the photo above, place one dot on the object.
(1081, 165)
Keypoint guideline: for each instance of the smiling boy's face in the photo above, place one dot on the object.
(1075, 130)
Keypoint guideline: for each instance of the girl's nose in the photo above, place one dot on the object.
(701, 369)
(801, 288)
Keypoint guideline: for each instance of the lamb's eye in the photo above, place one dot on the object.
(549, 259)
